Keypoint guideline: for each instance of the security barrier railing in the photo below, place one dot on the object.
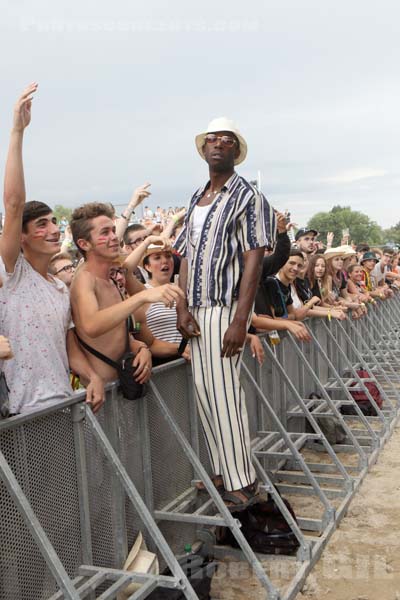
(76, 489)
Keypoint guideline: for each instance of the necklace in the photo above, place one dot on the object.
(212, 193)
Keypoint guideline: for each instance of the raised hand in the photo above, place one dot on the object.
(156, 240)
(22, 108)
(280, 222)
(139, 195)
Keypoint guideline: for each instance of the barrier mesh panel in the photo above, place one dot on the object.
(131, 447)
(100, 480)
(173, 474)
(42, 457)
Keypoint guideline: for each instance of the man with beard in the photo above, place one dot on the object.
(305, 240)
(222, 243)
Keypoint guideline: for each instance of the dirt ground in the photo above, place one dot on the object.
(362, 558)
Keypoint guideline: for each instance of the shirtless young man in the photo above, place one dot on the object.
(98, 310)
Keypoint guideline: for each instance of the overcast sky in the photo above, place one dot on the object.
(125, 86)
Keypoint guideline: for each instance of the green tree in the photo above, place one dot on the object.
(62, 211)
(360, 226)
(393, 234)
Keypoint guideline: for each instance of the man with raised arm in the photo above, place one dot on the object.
(100, 314)
(35, 310)
(227, 226)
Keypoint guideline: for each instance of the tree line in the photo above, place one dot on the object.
(361, 228)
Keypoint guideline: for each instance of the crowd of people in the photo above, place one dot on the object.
(200, 284)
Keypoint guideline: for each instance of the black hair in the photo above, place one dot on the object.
(33, 210)
(295, 252)
(131, 228)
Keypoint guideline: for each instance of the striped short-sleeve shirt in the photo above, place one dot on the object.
(240, 219)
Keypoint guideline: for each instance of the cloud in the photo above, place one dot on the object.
(353, 175)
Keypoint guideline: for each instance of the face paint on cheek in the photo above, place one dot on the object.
(101, 241)
(39, 234)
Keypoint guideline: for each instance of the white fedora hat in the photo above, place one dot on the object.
(222, 124)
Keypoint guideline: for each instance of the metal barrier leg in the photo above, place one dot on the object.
(78, 416)
(293, 448)
(140, 507)
(360, 383)
(361, 364)
(341, 385)
(304, 410)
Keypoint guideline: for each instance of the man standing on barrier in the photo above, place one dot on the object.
(227, 226)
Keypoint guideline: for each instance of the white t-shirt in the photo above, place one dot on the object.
(297, 303)
(377, 275)
(35, 315)
(199, 216)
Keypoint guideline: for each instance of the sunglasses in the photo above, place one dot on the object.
(66, 269)
(226, 140)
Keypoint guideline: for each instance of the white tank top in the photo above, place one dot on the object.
(199, 216)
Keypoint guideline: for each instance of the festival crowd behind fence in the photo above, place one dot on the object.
(107, 297)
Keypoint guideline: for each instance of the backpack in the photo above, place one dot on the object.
(330, 426)
(264, 528)
(361, 397)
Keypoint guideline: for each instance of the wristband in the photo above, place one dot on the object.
(131, 212)
(182, 346)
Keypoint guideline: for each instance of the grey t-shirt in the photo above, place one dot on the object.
(35, 315)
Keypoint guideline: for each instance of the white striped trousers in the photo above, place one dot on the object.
(220, 399)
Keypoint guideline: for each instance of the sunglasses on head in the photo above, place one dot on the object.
(226, 140)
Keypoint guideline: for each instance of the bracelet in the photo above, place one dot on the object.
(329, 315)
(132, 212)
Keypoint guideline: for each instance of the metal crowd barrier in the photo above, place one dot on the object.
(76, 489)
